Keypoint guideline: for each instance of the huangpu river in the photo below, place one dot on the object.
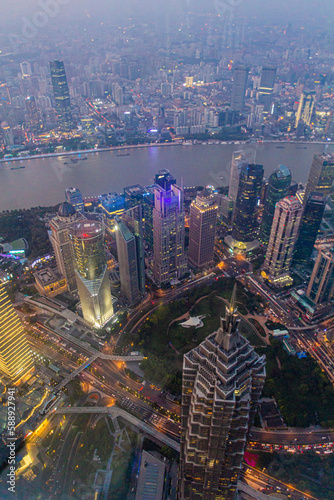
(43, 180)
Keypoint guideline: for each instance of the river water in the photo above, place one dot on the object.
(43, 180)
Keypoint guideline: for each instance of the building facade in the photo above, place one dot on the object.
(245, 226)
(240, 78)
(91, 272)
(277, 188)
(15, 358)
(168, 234)
(321, 176)
(74, 196)
(202, 229)
(283, 237)
(238, 160)
(130, 254)
(61, 94)
(221, 386)
(309, 228)
(321, 285)
(305, 108)
(61, 242)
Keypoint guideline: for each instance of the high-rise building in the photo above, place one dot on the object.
(266, 88)
(130, 253)
(168, 233)
(321, 285)
(202, 229)
(61, 242)
(240, 77)
(305, 108)
(283, 237)
(238, 160)
(309, 228)
(91, 272)
(245, 225)
(33, 115)
(61, 94)
(278, 188)
(25, 68)
(221, 386)
(111, 204)
(321, 176)
(74, 196)
(164, 179)
(15, 358)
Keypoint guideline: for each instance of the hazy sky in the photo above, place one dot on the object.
(118, 9)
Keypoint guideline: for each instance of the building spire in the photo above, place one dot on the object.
(227, 335)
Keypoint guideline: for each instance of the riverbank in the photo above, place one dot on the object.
(156, 145)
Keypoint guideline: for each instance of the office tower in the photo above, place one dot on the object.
(321, 176)
(33, 116)
(245, 224)
(166, 89)
(221, 386)
(130, 253)
(15, 357)
(305, 108)
(74, 196)
(278, 188)
(117, 94)
(61, 242)
(91, 272)
(189, 81)
(238, 160)
(283, 237)
(309, 228)
(202, 229)
(240, 76)
(168, 233)
(61, 95)
(111, 204)
(25, 69)
(164, 179)
(266, 88)
(321, 285)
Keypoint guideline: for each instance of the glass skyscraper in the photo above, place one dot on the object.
(278, 188)
(321, 285)
(309, 228)
(92, 273)
(74, 196)
(321, 176)
(245, 217)
(61, 94)
(240, 77)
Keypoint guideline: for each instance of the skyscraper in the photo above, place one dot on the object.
(202, 229)
(74, 196)
(240, 77)
(321, 285)
(91, 272)
(130, 253)
(278, 188)
(305, 108)
(168, 233)
(61, 243)
(33, 115)
(164, 179)
(221, 386)
(15, 357)
(283, 237)
(309, 228)
(245, 217)
(268, 76)
(321, 176)
(238, 160)
(61, 95)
